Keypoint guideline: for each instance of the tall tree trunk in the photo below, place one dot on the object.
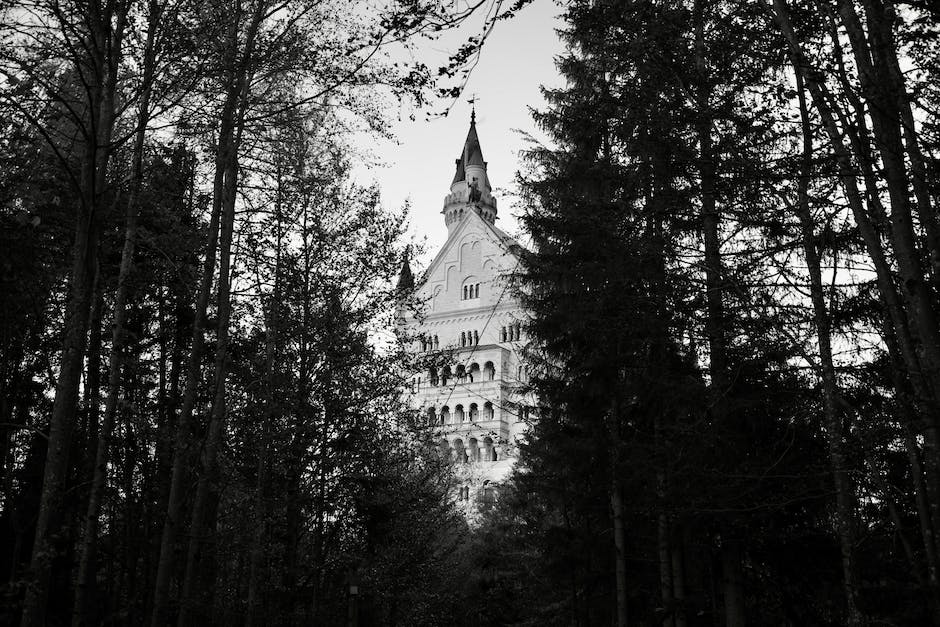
(229, 145)
(921, 499)
(842, 480)
(678, 575)
(183, 439)
(224, 187)
(106, 39)
(255, 580)
(883, 95)
(911, 331)
(617, 516)
(86, 570)
(714, 295)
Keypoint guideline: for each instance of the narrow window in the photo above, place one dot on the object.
(465, 292)
(476, 337)
(502, 334)
(463, 338)
(437, 343)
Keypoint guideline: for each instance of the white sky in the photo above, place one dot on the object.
(517, 59)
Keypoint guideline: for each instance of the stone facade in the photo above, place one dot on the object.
(471, 328)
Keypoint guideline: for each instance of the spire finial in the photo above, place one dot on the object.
(473, 108)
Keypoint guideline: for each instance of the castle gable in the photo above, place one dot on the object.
(470, 270)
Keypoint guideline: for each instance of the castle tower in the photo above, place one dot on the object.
(471, 330)
(470, 189)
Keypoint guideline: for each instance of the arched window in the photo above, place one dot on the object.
(474, 373)
(502, 334)
(489, 372)
(518, 331)
(476, 337)
(444, 418)
(432, 416)
(471, 289)
(445, 375)
(461, 374)
(437, 343)
(474, 450)
(463, 338)
(434, 378)
(460, 451)
(487, 411)
(474, 412)
(469, 338)
(489, 451)
(458, 414)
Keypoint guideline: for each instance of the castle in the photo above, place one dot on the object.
(471, 328)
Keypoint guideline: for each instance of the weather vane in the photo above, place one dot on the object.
(473, 107)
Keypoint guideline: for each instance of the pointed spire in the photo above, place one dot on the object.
(472, 153)
(406, 280)
(470, 191)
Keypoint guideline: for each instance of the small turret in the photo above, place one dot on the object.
(406, 279)
(470, 190)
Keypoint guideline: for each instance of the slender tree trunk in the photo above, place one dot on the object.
(678, 576)
(86, 571)
(714, 292)
(181, 451)
(255, 581)
(665, 570)
(106, 36)
(906, 330)
(921, 498)
(93, 382)
(208, 480)
(844, 487)
(617, 516)
(223, 200)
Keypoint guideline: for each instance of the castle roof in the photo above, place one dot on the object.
(472, 154)
(406, 280)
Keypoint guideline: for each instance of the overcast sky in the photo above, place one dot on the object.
(516, 60)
